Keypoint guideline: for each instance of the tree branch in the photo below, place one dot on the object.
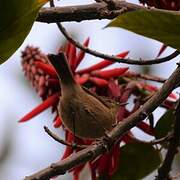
(90, 12)
(84, 12)
(145, 76)
(122, 128)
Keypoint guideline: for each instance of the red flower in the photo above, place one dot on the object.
(163, 4)
(111, 83)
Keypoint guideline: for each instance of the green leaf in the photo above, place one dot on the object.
(16, 20)
(137, 160)
(161, 26)
(164, 124)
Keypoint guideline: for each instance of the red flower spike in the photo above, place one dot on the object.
(173, 96)
(50, 101)
(94, 164)
(114, 90)
(52, 82)
(168, 104)
(93, 171)
(104, 163)
(81, 54)
(146, 128)
(72, 57)
(99, 81)
(109, 73)
(69, 150)
(76, 171)
(67, 49)
(81, 79)
(127, 138)
(163, 4)
(149, 87)
(57, 122)
(115, 154)
(163, 48)
(154, 88)
(46, 68)
(102, 64)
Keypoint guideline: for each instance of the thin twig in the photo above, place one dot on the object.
(156, 141)
(58, 139)
(114, 58)
(163, 172)
(145, 76)
(122, 128)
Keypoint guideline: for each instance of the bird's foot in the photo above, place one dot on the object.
(107, 141)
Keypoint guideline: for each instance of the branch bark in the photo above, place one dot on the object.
(84, 12)
(122, 128)
(90, 12)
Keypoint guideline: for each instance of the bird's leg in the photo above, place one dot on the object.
(74, 128)
(106, 140)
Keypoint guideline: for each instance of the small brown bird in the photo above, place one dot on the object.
(82, 112)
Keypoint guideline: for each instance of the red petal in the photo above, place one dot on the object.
(81, 54)
(69, 150)
(149, 87)
(72, 57)
(173, 96)
(82, 79)
(104, 164)
(154, 88)
(53, 82)
(126, 139)
(116, 72)
(99, 81)
(93, 166)
(46, 68)
(102, 64)
(76, 171)
(114, 159)
(58, 122)
(114, 90)
(163, 48)
(76, 176)
(93, 172)
(146, 128)
(50, 101)
(67, 49)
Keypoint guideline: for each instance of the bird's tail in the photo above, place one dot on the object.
(59, 62)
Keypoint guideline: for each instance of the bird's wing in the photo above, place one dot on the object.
(106, 101)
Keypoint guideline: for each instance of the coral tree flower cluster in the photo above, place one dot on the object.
(119, 84)
(163, 4)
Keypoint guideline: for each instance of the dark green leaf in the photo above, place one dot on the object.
(16, 20)
(164, 124)
(161, 26)
(137, 160)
